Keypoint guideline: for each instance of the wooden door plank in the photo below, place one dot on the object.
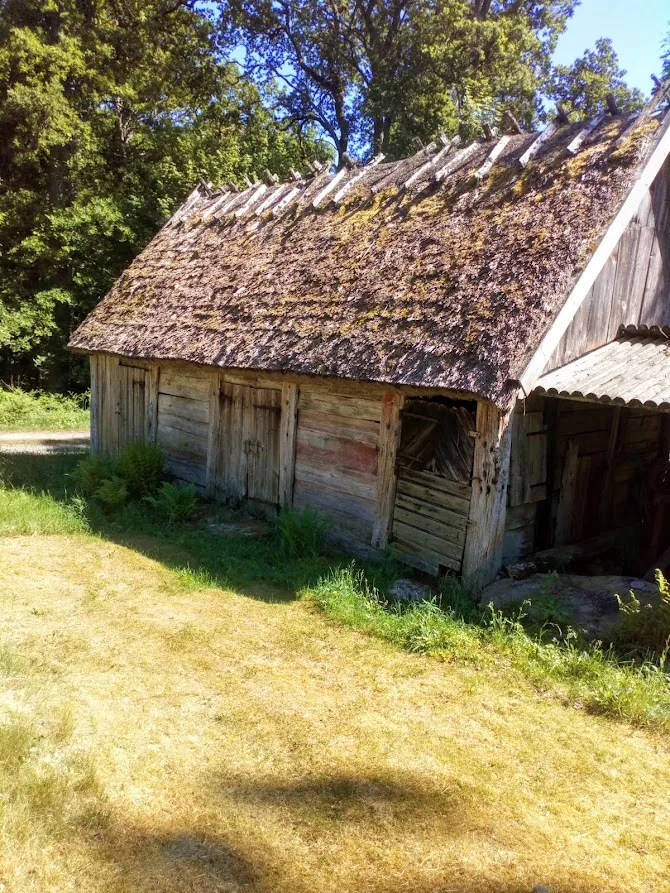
(94, 364)
(213, 433)
(389, 441)
(482, 556)
(287, 442)
(151, 405)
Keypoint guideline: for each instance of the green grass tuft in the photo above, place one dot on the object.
(588, 674)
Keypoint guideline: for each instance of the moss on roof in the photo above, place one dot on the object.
(447, 285)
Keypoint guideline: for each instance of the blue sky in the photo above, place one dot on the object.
(636, 27)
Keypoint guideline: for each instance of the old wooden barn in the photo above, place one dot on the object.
(463, 353)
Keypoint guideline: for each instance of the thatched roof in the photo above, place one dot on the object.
(447, 282)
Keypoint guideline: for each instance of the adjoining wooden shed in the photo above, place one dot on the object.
(425, 351)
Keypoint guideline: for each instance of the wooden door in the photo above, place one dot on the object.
(262, 444)
(133, 393)
(248, 455)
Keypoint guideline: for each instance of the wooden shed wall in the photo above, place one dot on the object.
(332, 447)
(633, 286)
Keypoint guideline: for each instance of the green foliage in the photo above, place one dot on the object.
(300, 533)
(588, 674)
(109, 115)
(112, 493)
(27, 513)
(91, 472)
(583, 86)
(645, 626)
(174, 503)
(140, 465)
(37, 411)
(377, 75)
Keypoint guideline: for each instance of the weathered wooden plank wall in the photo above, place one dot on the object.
(634, 285)
(183, 421)
(336, 457)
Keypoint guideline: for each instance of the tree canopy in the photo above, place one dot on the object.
(110, 112)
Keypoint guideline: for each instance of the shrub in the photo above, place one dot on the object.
(645, 626)
(140, 465)
(112, 493)
(174, 503)
(300, 533)
(91, 472)
(35, 410)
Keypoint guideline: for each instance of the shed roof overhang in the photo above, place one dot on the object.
(633, 370)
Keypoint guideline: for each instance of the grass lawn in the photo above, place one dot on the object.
(165, 729)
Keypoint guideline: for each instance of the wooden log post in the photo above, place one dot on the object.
(95, 403)
(213, 433)
(389, 441)
(482, 556)
(151, 404)
(287, 441)
(110, 408)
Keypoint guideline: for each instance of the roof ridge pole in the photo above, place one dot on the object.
(447, 146)
(538, 142)
(188, 202)
(576, 143)
(405, 165)
(234, 200)
(493, 155)
(221, 200)
(328, 188)
(259, 191)
(272, 198)
(457, 161)
(663, 92)
(337, 198)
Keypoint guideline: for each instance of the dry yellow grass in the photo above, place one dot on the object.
(232, 744)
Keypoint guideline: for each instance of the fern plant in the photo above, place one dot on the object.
(174, 503)
(140, 465)
(112, 493)
(91, 472)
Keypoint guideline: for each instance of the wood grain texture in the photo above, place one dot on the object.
(213, 433)
(389, 439)
(96, 394)
(482, 555)
(153, 380)
(287, 442)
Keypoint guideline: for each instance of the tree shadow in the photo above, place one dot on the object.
(255, 566)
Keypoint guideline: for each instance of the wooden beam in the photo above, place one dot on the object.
(612, 450)
(389, 441)
(328, 188)
(110, 409)
(432, 162)
(605, 248)
(566, 499)
(482, 556)
(94, 362)
(152, 403)
(287, 439)
(493, 155)
(576, 144)
(339, 195)
(213, 433)
(456, 162)
(537, 144)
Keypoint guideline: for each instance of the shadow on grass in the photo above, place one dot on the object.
(254, 566)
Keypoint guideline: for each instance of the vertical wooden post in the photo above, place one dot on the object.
(213, 433)
(151, 404)
(288, 430)
(389, 441)
(95, 403)
(565, 512)
(110, 409)
(482, 555)
(607, 494)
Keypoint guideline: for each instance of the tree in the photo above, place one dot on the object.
(110, 112)
(583, 86)
(372, 74)
(665, 56)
